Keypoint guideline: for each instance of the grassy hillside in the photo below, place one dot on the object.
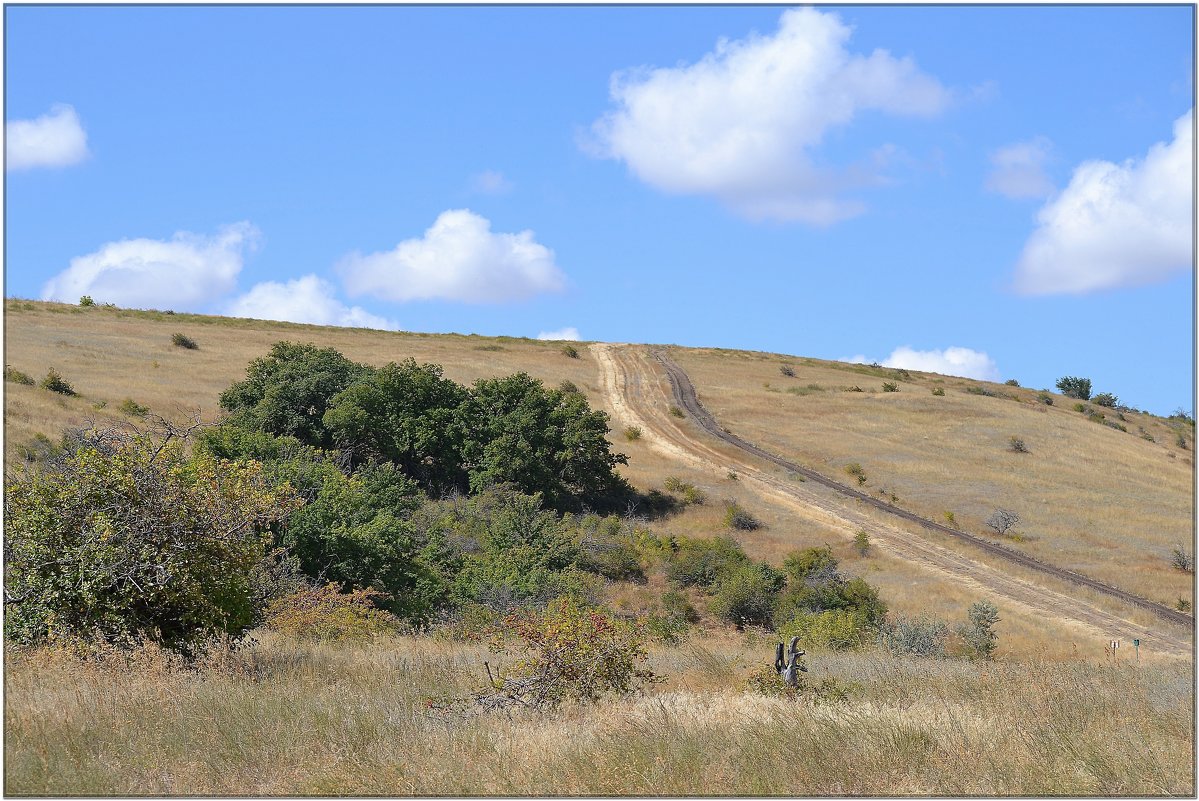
(1091, 498)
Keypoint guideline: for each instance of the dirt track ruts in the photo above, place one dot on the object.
(627, 373)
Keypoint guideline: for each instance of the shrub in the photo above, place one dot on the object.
(1183, 604)
(1075, 387)
(613, 559)
(855, 470)
(1045, 398)
(834, 629)
(1182, 560)
(787, 370)
(86, 300)
(692, 495)
(979, 633)
(1017, 445)
(17, 377)
(329, 615)
(701, 563)
(861, 542)
(854, 388)
(1145, 435)
(949, 518)
(890, 386)
(184, 341)
(732, 476)
(632, 433)
(1081, 407)
(40, 449)
(938, 391)
(129, 539)
(1096, 417)
(827, 690)
(56, 383)
(737, 517)
(568, 386)
(1106, 399)
(921, 636)
(132, 408)
(1001, 521)
(1011, 382)
(747, 595)
(569, 651)
(1115, 425)
(570, 351)
(677, 412)
(1181, 441)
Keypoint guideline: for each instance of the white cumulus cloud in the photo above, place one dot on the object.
(571, 334)
(56, 139)
(741, 123)
(308, 299)
(1115, 225)
(183, 272)
(1018, 170)
(458, 258)
(957, 361)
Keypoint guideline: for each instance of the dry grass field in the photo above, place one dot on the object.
(1091, 498)
(288, 719)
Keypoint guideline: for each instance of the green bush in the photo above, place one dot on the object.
(86, 300)
(56, 383)
(632, 433)
(979, 633)
(132, 408)
(1075, 387)
(832, 629)
(1045, 398)
(691, 494)
(17, 377)
(570, 351)
(1011, 382)
(1106, 399)
(747, 595)
(938, 391)
(738, 517)
(328, 615)
(890, 386)
(861, 542)
(701, 563)
(854, 388)
(1017, 445)
(854, 469)
(787, 370)
(184, 341)
(129, 539)
(677, 412)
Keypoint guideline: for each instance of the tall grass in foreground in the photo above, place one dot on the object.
(289, 719)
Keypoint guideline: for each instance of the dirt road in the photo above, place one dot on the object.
(638, 391)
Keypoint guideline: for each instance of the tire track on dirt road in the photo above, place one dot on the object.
(633, 387)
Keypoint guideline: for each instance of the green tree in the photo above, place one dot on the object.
(540, 440)
(288, 391)
(979, 634)
(407, 414)
(1074, 387)
(128, 538)
(1106, 399)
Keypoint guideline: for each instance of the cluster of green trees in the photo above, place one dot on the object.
(323, 470)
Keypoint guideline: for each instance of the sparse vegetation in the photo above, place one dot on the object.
(923, 636)
(132, 408)
(854, 388)
(1001, 521)
(854, 469)
(787, 370)
(1106, 399)
(183, 341)
(890, 386)
(675, 411)
(939, 391)
(738, 517)
(1182, 560)
(1011, 382)
(1016, 445)
(861, 542)
(329, 615)
(632, 433)
(1045, 398)
(950, 519)
(56, 383)
(570, 351)
(17, 377)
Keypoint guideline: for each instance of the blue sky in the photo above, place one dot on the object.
(999, 192)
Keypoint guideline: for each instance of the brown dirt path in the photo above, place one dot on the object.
(637, 392)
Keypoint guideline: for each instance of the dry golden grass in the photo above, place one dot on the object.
(289, 719)
(1093, 499)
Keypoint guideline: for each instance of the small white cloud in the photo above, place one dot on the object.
(490, 182)
(52, 140)
(305, 300)
(962, 362)
(741, 124)
(1115, 225)
(181, 273)
(571, 334)
(458, 258)
(1018, 170)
